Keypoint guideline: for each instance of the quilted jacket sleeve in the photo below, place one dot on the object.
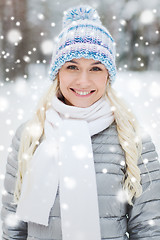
(12, 228)
(144, 215)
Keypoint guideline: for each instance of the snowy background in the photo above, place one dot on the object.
(28, 32)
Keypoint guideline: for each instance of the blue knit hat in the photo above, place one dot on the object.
(83, 35)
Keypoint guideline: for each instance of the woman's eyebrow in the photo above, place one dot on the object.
(72, 61)
(96, 63)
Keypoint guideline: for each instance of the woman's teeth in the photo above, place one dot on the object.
(82, 93)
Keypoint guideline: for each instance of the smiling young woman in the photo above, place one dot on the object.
(80, 168)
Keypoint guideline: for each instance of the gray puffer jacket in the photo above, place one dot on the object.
(118, 220)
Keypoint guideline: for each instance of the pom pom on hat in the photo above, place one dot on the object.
(80, 13)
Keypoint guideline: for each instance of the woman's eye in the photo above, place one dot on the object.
(96, 69)
(72, 67)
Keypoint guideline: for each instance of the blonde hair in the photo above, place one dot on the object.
(128, 133)
(130, 139)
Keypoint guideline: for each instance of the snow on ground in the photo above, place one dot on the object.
(18, 101)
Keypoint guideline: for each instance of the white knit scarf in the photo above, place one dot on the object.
(65, 158)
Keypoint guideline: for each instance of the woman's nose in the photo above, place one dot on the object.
(83, 79)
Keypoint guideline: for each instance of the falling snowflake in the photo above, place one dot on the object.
(154, 89)
(122, 163)
(25, 156)
(18, 23)
(51, 148)
(122, 196)
(14, 36)
(70, 183)
(4, 104)
(12, 220)
(4, 192)
(69, 133)
(123, 22)
(133, 179)
(151, 222)
(53, 24)
(10, 149)
(35, 130)
(125, 143)
(21, 87)
(80, 151)
(1, 148)
(113, 108)
(86, 166)
(135, 86)
(40, 16)
(112, 149)
(136, 139)
(104, 170)
(145, 161)
(62, 139)
(64, 206)
(147, 17)
(2, 176)
(26, 58)
(47, 47)
(11, 133)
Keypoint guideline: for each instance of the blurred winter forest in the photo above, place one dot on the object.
(28, 30)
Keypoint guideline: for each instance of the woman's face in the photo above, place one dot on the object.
(82, 81)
